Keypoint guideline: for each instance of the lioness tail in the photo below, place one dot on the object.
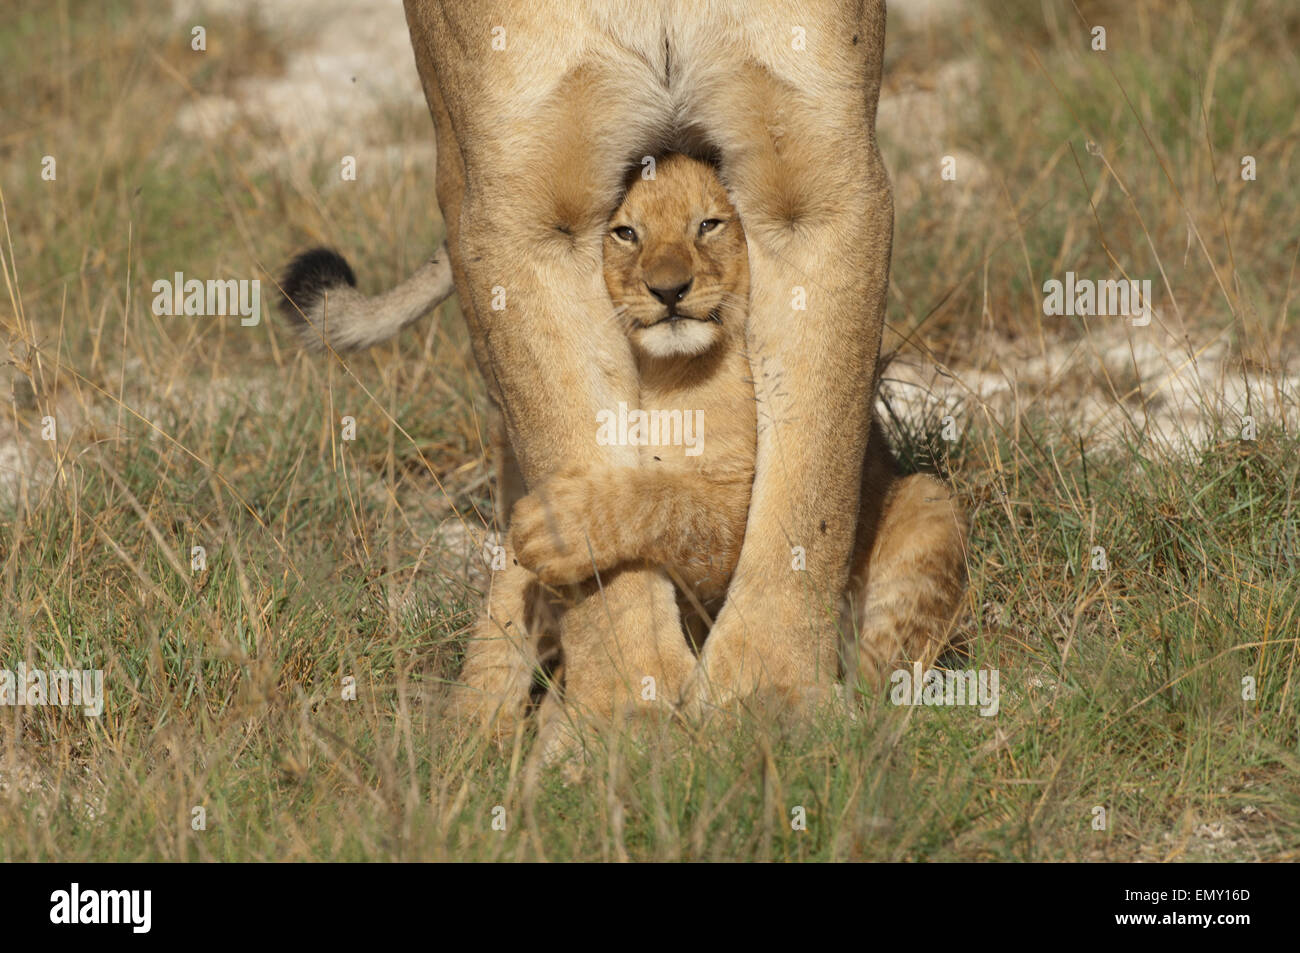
(322, 303)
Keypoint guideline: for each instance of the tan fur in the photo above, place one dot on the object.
(534, 138)
(682, 513)
(687, 513)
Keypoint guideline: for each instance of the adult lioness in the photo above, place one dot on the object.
(539, 105)
(676, 268)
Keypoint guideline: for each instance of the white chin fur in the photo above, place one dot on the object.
(678, 338)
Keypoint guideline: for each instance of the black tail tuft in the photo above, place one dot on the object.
(308, 277)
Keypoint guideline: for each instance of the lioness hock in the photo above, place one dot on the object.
(539, 107)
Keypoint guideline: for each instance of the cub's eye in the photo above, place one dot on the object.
(624, 234)
(709, 224)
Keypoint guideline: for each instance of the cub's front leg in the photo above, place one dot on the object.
(579, 524)
(565, 531)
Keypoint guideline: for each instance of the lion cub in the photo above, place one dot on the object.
(676, 267)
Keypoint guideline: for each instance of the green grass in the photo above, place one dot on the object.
(1185, 89)
(1121, 689)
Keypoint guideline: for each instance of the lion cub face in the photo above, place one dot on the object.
(676, 264)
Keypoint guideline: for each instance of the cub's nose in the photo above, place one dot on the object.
(670, 296)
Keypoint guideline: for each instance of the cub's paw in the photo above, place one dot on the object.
(553, 534)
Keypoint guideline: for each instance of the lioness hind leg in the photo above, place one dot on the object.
(906, 594)
(494, 685)
(533, 141)
(509, 481)
(794, 131)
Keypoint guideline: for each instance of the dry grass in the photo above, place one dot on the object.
(1121, 688)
